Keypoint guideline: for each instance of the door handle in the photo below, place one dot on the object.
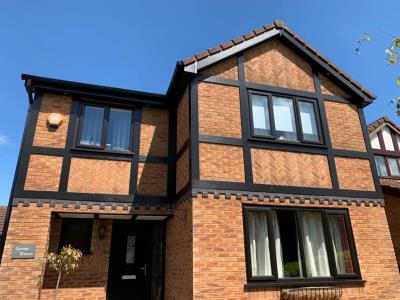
(144, 268)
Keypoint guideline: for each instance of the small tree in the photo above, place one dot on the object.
(65, 262)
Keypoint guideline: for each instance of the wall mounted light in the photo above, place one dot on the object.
(55, 120)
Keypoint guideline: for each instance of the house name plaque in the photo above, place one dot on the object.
(23, 251)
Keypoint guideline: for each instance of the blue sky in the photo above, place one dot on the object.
(135, 44)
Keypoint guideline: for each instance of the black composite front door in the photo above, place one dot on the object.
(130, 261)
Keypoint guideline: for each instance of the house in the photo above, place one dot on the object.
(385, 142)
(3, 211)
(252, 178)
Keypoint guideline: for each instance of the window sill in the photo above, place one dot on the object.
(96, 150)
(271, 140)
(303, 283)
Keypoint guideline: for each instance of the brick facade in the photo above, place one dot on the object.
(43, 173)
(273, 63)
(354, 174)
(225, 69)
(214, 117)
(344, 126)
(99, 176)
(219, 255)
(46, 136)
(392, 209)
(152, 179)
(182, 121)
(289, 168)
(221, 163)
(154, 132)
(182, 171)
(328, 87)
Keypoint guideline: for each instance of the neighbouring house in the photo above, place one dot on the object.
(3, 211)
(253, 176)
(385, 142)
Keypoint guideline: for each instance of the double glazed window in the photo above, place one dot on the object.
(290, 244)
(387, 166)
(284, 118)
(105, 128)
(77, 233)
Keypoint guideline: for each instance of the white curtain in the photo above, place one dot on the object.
(259, 244)
(278, 245)
(92, 126)
(340, 245)
(314, 245)
(119, 129)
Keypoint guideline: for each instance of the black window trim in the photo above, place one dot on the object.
(299, 129)
(104, 133)
(274, 280)
(387, 167)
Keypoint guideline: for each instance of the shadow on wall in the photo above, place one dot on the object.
(93, 269)
(152, 176)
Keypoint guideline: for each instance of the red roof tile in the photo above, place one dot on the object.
(277, 25)
(385, 119)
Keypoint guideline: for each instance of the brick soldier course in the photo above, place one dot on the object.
(167, 212)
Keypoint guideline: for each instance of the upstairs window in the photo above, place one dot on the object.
(284, 118)
(107, 128)
(290, 244)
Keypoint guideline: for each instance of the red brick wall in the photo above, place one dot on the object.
(354, 174)
(273, 63)
(89, 281)
(182, 171)
(329, 87)
(221, 162)
(182, 122)
(152, 179)
(179, 254)
(392, 208)
(219, 110)
(224, 69)
(99, 176)
(154, 132)
(22, 279)
(344, 126)
(219, 257)
(43, 173)
(49, 137)
(290, 168)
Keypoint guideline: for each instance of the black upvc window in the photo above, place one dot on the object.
(105, 128)
(387, 166)
(77, 233)
(292, 244)
(284, 118)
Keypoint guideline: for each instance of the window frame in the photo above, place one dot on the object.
(274, 280)
(88, 238)
(104, 132)
(299, 129)
(387, 166)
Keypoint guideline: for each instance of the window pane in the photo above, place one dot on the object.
(77, 233)
(259, 244)
(92, 126)
(314, 245)
(286, 244)
(119, 129)
(285, 124)
(340, 243)
(130, 249)
(308, 122)
(393, 166)
(380, 165)
(260, 111)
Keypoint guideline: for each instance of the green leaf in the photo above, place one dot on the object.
(398, 81)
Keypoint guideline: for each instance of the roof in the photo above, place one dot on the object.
(3, 211)
(381, 122)
(277, 27)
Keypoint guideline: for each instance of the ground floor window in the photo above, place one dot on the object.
(286, 243)
(77, 233)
